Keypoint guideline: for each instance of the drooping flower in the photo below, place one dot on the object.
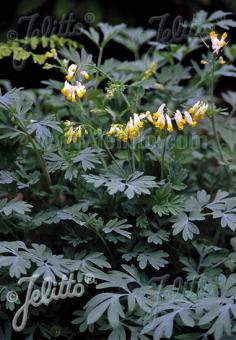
(150, 71)
(159, 117)
(72, 134)
(189, 119)
(71, 71)
(179, 120)
(85, 75)
(200, 112)
(217, 44)
(169, 124)
(73, 91)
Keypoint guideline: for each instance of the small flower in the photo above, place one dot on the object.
(217, 44)
(200, 112)
(159, 118)
(169, 123)
(51, 54)
(189, 119)
(159, 86)
(71, 134)
(221, 61)
(73, 91)
(71, 71)
(85, 75)
(150, 71)
(203, 62)
(179, 120)
(161, 122)
(132, 129)
(137, 121)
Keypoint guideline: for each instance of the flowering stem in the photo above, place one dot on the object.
(111, 155)
(108, 77)
(38, 155)
(96, 145)
(213, 116)
(100, 57)
(163, 158)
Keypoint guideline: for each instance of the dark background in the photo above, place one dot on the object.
(86, 12)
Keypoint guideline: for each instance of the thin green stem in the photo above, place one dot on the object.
(111, 155)
(132, 148)
(100, 57)
(213, 117)
(108, 77)
(37, 153)
(96, 145)
(163, 158)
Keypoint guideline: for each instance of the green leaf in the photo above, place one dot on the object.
(88, 158)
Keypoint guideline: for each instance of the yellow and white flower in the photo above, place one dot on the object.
(179, 120)
(200, 112)
(159, 117)
(71, 71)
(169, 123)
(73, 91)
(85, 75)
(217, 44)
(189, 119)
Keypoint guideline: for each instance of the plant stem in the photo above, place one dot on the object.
(96, 145)
(100, 57)
(108, 77)
(163, 158)
(111, 155)
(37, 153)
(132, 156)
(213, 117)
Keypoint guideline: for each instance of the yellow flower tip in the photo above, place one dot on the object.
(170, 129)
(73, 100)
(140, 124)
(68, 77)
(213, 34)
(193, 123)
(63, 91)
(48, 55)
(221, 61)
(155, 115)
(85, 75)
(224, 35)
(203, 62)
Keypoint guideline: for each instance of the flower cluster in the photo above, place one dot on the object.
(159, 119)
(150, 71)
(76, 91)
(217, 44)
(72, 134)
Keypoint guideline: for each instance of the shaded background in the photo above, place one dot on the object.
(87, 12)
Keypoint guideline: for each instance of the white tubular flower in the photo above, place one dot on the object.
(216, 43)
(80, 89)
(189, 119)
(195, 107)
(169, 123)
(161, 122)
(71, 71)
(85, 75)
(179, 120)
(71, 91)
(137, 122)
(160, 111)
(199, 114)
(149, 116)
